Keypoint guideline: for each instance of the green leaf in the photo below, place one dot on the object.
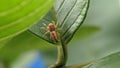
(18, 15)
(103, 42)
(27, 42)
(2, 43)
(69, 14)
(111, 61)
(22, 43)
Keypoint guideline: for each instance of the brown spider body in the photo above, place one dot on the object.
(52, 29)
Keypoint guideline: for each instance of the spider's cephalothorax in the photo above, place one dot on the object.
(51, 27)
(52, 30)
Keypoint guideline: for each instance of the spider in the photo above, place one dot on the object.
(51, 28)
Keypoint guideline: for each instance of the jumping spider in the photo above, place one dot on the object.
(52, 29)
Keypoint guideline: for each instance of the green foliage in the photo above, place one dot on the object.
(18, 15)
(22, 43)
(69, 14)
(27, 42)
(104, 41)
(111, 61)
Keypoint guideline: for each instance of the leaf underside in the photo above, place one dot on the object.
(69, 14)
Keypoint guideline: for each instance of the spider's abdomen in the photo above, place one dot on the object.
(54, 35)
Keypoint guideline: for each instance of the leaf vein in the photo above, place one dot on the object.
(68, 13)
(60, 7)
(74, 21)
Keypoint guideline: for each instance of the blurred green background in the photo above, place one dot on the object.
(98, 37)
(105, 15)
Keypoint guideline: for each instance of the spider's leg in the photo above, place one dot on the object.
(50, 36)
(58, 28)
(45, 33)
(53, 22)
(43, 28)
(45, 25)
(57, 24)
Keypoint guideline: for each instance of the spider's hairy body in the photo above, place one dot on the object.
(52, 29)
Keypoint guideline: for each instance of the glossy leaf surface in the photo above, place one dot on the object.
(18, 15)
(69, 14)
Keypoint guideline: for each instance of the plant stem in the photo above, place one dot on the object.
(62, 56)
